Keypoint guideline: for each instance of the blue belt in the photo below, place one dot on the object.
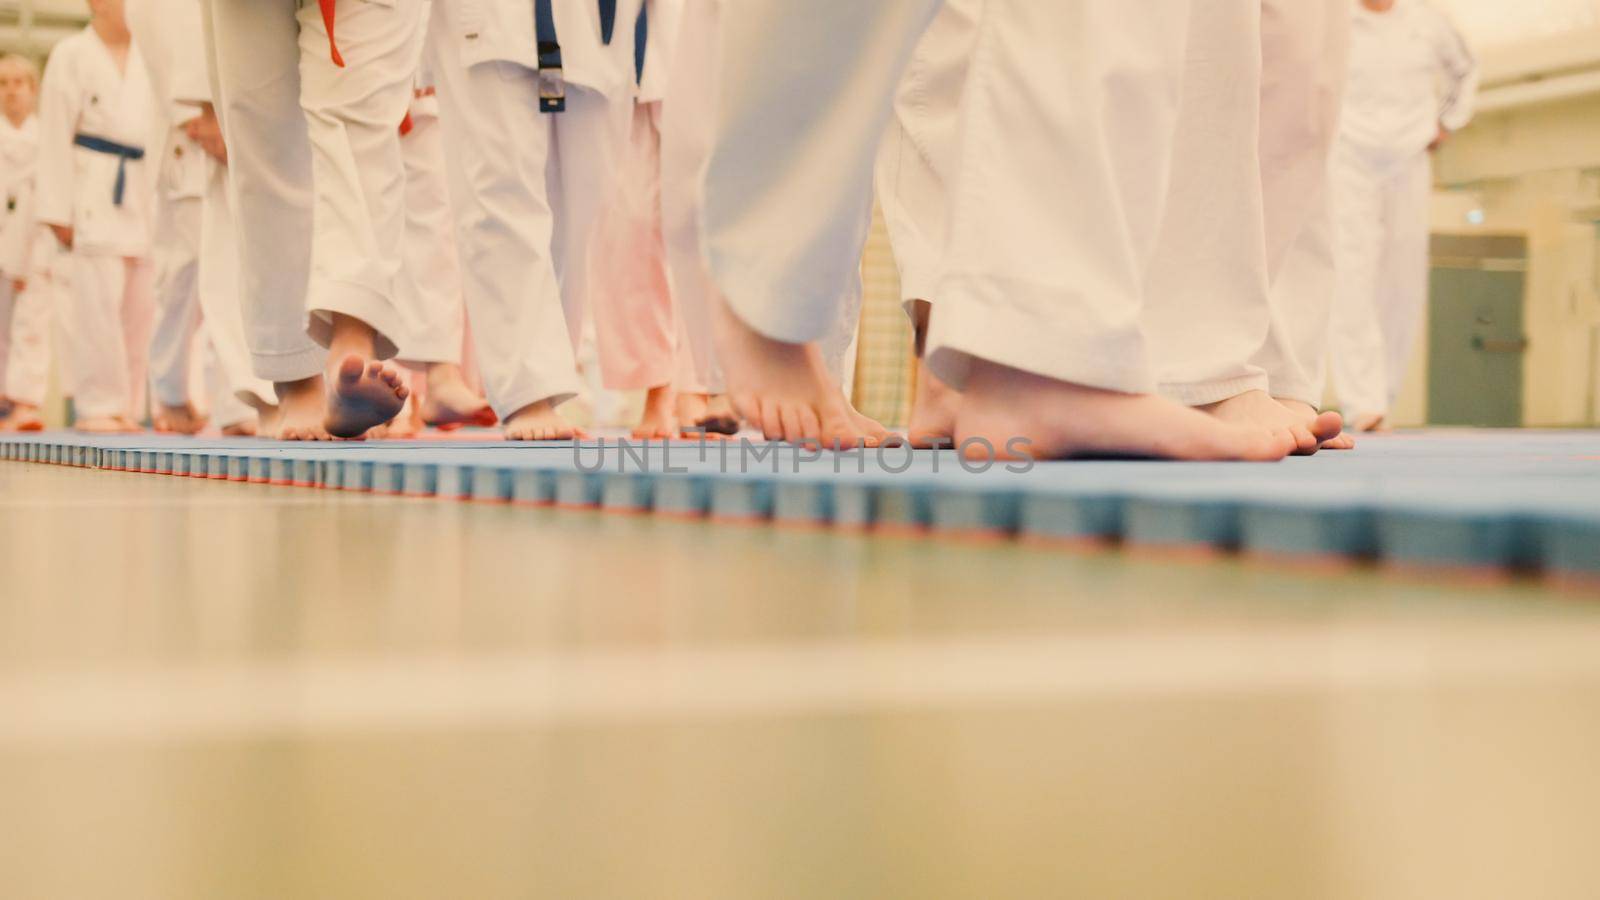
(123, 152)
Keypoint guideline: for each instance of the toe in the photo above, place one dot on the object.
(1305, 443)
(1327, 426)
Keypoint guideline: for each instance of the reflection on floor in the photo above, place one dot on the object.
(231, 690)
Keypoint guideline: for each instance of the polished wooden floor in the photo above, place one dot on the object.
(214, 690)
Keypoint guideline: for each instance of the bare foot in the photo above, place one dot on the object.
(1017, 415)
(660, 419)
(101, 425)
(704, 414)
(302, 406)
(362, 394)
(933, 411)
(246, 428)
(873, 433)
(22, 417)
(540, 422)
(1306, 431)
(179, 419)
(129, 426)
(782, 388)
(404, 426)
(449, 403)
(1373, 424)
(1331, 439)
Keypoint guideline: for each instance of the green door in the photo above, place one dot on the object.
(1476, 342)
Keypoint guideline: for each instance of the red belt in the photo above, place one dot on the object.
(338, 60)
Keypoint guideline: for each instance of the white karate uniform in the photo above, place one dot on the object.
(1044, 274)
(315, 167)
(1225, 311)
(689, 70)
(695, 98)
(209, 253)
(1206, 310)
(85, 94)
(640, 335)
(922, 146)
(167, 32)
(1410, 74)
(527, 185)
(24, 315)
(237, 392)
(1305, 52)
(430, 294)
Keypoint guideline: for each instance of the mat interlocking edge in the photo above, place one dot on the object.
(1479, 500)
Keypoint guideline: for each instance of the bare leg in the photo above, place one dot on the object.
(361, 391)
(1017, 414)
(1305, 429)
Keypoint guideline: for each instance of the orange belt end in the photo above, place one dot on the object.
(327, 22)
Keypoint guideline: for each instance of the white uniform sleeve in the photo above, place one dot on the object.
(1459, 68)
(58, 121)
(191, 82)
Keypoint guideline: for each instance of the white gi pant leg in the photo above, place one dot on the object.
(1381, 227)
(805, 92)
(353, 117)
(176, 265)
(585, 148)
(1067, 131)
(8, 298)
(1305, 52)
(221, 311)
(635, 324)
(1206, 307)
(292, 118)
(1403, 279)
(255, 51)
(28, 367)
(109, 342)
(688, 125)
(429, 299)
(921, 148)
(497, 145)
(228, 407)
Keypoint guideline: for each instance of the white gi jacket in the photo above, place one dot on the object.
(84, 95)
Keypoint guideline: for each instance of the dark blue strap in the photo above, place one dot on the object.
(123, 152)
(552, 96)
(608, 19)
(641, 36)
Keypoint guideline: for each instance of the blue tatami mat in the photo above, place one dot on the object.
(1516, 500)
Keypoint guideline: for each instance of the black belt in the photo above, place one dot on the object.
(552, 83)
